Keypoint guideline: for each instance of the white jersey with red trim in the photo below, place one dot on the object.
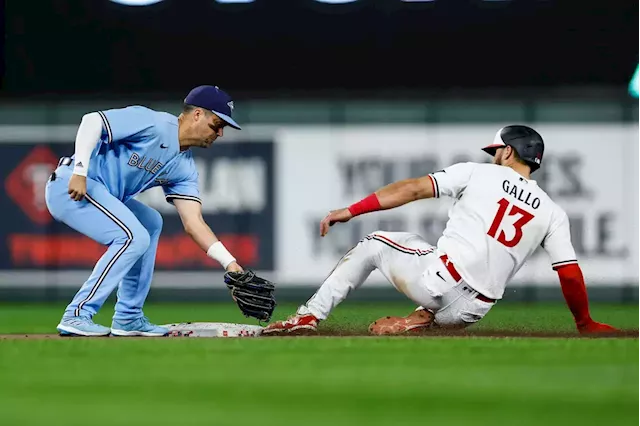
(496, 222)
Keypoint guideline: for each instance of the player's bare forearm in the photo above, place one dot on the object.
(194, 225)
(402, 192)
(393, 195)
(201, 233)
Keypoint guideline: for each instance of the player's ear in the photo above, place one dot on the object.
(508, 152)
(198, 113)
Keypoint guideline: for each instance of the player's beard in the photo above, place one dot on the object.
(207, 142)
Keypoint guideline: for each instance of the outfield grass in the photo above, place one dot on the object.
(319, 381)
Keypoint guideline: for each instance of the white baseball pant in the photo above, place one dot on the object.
(413, 267)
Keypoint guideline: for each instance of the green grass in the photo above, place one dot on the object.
(43, 318)
(335, 381)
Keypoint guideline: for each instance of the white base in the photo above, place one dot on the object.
(213, 329)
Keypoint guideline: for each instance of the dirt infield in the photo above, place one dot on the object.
(629, 334)
(29, 336)
(626, 334)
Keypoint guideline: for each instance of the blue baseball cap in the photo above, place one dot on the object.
(215, 100)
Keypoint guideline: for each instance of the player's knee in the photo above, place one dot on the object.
(375, 235)
(154, 225)
(369, 236)
(140, 241)
(452, 318)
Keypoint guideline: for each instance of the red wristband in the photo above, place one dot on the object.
(366, 205)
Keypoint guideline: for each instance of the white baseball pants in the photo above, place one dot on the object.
(413, 267)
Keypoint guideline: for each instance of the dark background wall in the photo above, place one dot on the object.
(278, 47)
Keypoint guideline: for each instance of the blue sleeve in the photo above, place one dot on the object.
(185, 185)
(131, 123)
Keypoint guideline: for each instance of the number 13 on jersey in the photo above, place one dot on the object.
(524, 218)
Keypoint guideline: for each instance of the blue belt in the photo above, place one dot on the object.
(64, 161)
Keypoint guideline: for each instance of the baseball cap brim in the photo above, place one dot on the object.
(491, 149)
(230, 121)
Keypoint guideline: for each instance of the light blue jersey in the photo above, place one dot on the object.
(139, 149)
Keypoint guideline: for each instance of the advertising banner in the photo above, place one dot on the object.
(265, 191)
(591, 171)
(237, 190)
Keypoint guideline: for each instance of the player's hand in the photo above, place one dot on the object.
(595, 327)
(234, 267)
(334, 216)
(77, 187)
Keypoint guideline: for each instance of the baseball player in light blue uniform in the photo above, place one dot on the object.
(120, 153)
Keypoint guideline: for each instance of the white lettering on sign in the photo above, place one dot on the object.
(233, 185)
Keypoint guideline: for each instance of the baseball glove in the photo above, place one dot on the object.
(253, 295)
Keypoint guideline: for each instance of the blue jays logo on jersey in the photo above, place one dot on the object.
(149, 164)
(161, 179)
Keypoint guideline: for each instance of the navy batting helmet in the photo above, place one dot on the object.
(527, 142)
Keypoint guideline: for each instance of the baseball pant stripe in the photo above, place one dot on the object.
(398, 247)
(129, 234)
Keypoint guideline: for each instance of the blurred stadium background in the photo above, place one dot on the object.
(336, 98)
